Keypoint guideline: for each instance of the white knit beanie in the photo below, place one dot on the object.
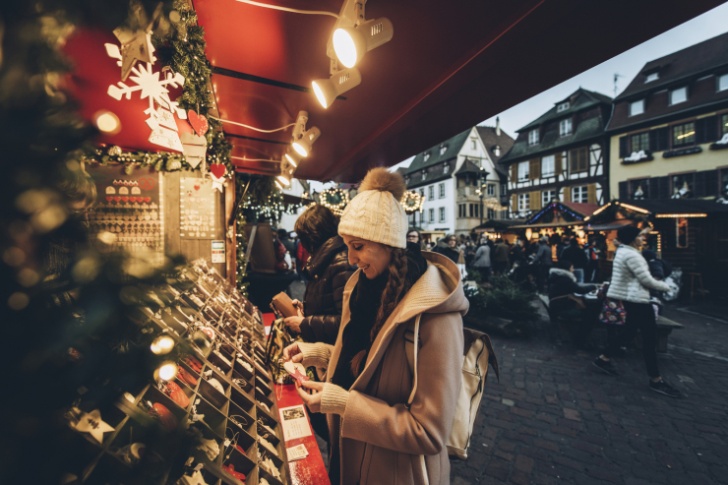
(375, 214)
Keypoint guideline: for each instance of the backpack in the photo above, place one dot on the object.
(479, 357)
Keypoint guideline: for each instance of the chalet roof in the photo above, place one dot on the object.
(620, 209)
(452, 148)
(562, 212)
(690, 62)
(579, 100)
(491, 139)
(550, 139)
(468, 166)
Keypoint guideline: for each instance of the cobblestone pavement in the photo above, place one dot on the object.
(553, 418)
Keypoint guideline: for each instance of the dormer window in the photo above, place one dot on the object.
(443, 149)
(497, 151)
(427, 156)
(679, 95)
(446, 168)
(565, 127)
(723, 82)
(637, 107)
(424, 174)
(562, 106)
(653, 76)
(533, 137)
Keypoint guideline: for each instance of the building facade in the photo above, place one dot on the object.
(459, 181)
(669, 130)
(562, 155)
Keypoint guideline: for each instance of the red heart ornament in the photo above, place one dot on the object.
(198, 122)
(218, 170)
(147, 199)
(109, 198)
(197, 187)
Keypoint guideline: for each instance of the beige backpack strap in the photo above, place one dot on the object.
(415, 349)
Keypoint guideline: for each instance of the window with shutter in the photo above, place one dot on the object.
(566, 194)
(662, 139)
(579, 160)
(534, 169)
(534, 202)
(624, 147)
(624, 190)
(591, 194)
(706, 129)
(560, 158)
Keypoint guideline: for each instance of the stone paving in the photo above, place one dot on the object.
(553, 418)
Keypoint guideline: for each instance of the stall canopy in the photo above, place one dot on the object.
(621, 212)
(559, 214)
(448, 66)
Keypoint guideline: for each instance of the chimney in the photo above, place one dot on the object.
(497, 126)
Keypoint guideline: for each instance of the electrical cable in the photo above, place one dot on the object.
(288, 9)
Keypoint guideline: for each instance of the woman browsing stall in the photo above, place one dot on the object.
(327, 271)
(375, 437)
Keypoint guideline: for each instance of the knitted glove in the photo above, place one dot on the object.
(333, 399)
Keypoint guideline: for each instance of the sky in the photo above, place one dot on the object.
(601, 77)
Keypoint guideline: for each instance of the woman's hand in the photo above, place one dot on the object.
(293, 323)
(310, 392)
(292, 353)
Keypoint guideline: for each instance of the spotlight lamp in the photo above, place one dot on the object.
(304, 139)
(283, 181)
(291, 158)
(354, 35)
(326, 90)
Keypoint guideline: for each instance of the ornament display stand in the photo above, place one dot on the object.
(228, 396)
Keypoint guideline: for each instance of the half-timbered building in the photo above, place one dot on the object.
(562, 155)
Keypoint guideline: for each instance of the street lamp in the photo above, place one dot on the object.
(482, 176)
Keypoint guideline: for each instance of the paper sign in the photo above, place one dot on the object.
(294, 423)
(218, 251)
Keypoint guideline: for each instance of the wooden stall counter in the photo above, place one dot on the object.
(309, 470)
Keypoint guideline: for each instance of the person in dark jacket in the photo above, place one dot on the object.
(574, 254)
(564, 302)
(327, 270)
(448, 246)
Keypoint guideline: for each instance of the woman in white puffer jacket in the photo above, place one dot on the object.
(631, 283)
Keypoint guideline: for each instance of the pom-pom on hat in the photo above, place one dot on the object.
(375, 214)
(627, 234)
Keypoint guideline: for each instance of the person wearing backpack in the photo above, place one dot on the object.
(379, 434)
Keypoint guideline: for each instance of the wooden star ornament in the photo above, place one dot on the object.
(92, 424)
(136, 45)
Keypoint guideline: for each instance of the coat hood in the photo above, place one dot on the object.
(438, 290)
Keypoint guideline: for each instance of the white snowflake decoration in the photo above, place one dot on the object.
(155, 88)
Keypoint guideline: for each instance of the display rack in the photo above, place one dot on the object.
(222, 390)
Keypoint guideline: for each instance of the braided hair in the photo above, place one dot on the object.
(395, 288)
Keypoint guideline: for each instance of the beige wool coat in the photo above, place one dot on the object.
(380, 440)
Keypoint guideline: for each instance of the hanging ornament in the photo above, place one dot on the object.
(161, 108)
(195, 148)
(334, 199)
(91, 423)
(198, 122)
(412, 201)
(136, 42)
(217, 174)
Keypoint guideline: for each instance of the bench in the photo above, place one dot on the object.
(665, 326)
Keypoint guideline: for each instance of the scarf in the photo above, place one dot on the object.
(364, 304)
